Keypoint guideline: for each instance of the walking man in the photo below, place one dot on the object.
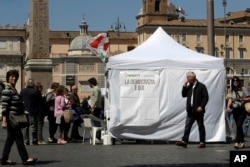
(197, 98)
(31, 101)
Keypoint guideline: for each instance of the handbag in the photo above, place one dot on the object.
(18, 120)
(247, 107)
(68, 116)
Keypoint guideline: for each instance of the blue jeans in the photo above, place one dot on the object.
(230, 122)
(239, 117)
(246, 125)
(190, 119)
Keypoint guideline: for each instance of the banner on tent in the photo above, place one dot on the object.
(139, 97)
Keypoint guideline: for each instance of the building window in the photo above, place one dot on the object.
(56, 68)
(227, 38)
(228, 52)
(198, 37)
(87, 67)
(241, 53)
(241, 38)
(84, 86)
(216, 52)
(2, 71)
(200, 49)
(2, 44)
(170, 34)
(183, 37)
(157, 6)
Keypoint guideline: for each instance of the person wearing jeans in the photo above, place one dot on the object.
(197, 98)
(238, 96)
(96, 103)
(30, 98)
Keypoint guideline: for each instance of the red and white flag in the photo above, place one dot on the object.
(99, 45)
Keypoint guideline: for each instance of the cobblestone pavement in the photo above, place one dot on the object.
(125, 154)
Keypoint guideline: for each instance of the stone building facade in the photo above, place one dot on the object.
(232, 34)
(50, 56)
(12, 51)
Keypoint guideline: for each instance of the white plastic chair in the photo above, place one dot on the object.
(87, 124)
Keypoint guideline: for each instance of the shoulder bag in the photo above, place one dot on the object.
(247, 107)
(18, 120)
(68, 116)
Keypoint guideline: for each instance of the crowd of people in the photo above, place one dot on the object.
(39, 106)
(51, 105)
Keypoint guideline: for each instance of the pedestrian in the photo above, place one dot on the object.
(197, 98)
(12, 102)
(50, 104)
(237, 97)
(76, 107)
(41, 112)
(60, 106)
(96, 104)
(30, 98)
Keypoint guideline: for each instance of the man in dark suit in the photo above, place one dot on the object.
(197, 98)
(76, 106)
(30, 98)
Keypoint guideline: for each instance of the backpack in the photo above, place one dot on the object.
(49, 103)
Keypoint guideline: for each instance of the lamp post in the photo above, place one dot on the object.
(224, 2)
(118, 27)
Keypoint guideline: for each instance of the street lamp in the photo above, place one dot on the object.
(118, 27)
(224, 2)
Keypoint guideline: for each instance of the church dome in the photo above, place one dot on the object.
(80, 42)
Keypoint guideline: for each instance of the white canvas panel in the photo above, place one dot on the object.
(139, 97)
(139, 111)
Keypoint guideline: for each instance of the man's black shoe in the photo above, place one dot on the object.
(181, 143)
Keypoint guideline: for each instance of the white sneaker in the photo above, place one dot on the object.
(236, 145)
(41, 142)
(61, 141)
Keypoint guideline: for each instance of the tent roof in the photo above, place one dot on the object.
(161, 51)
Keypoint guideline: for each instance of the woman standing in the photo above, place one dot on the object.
(60, 105)
(237, 97)
(11, 102)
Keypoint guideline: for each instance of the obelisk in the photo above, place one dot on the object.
(38, 64)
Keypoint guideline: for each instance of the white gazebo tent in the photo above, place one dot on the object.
(144, 91)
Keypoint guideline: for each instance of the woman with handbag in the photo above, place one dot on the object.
(238, 95)
(11, 102)
(60, 106)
